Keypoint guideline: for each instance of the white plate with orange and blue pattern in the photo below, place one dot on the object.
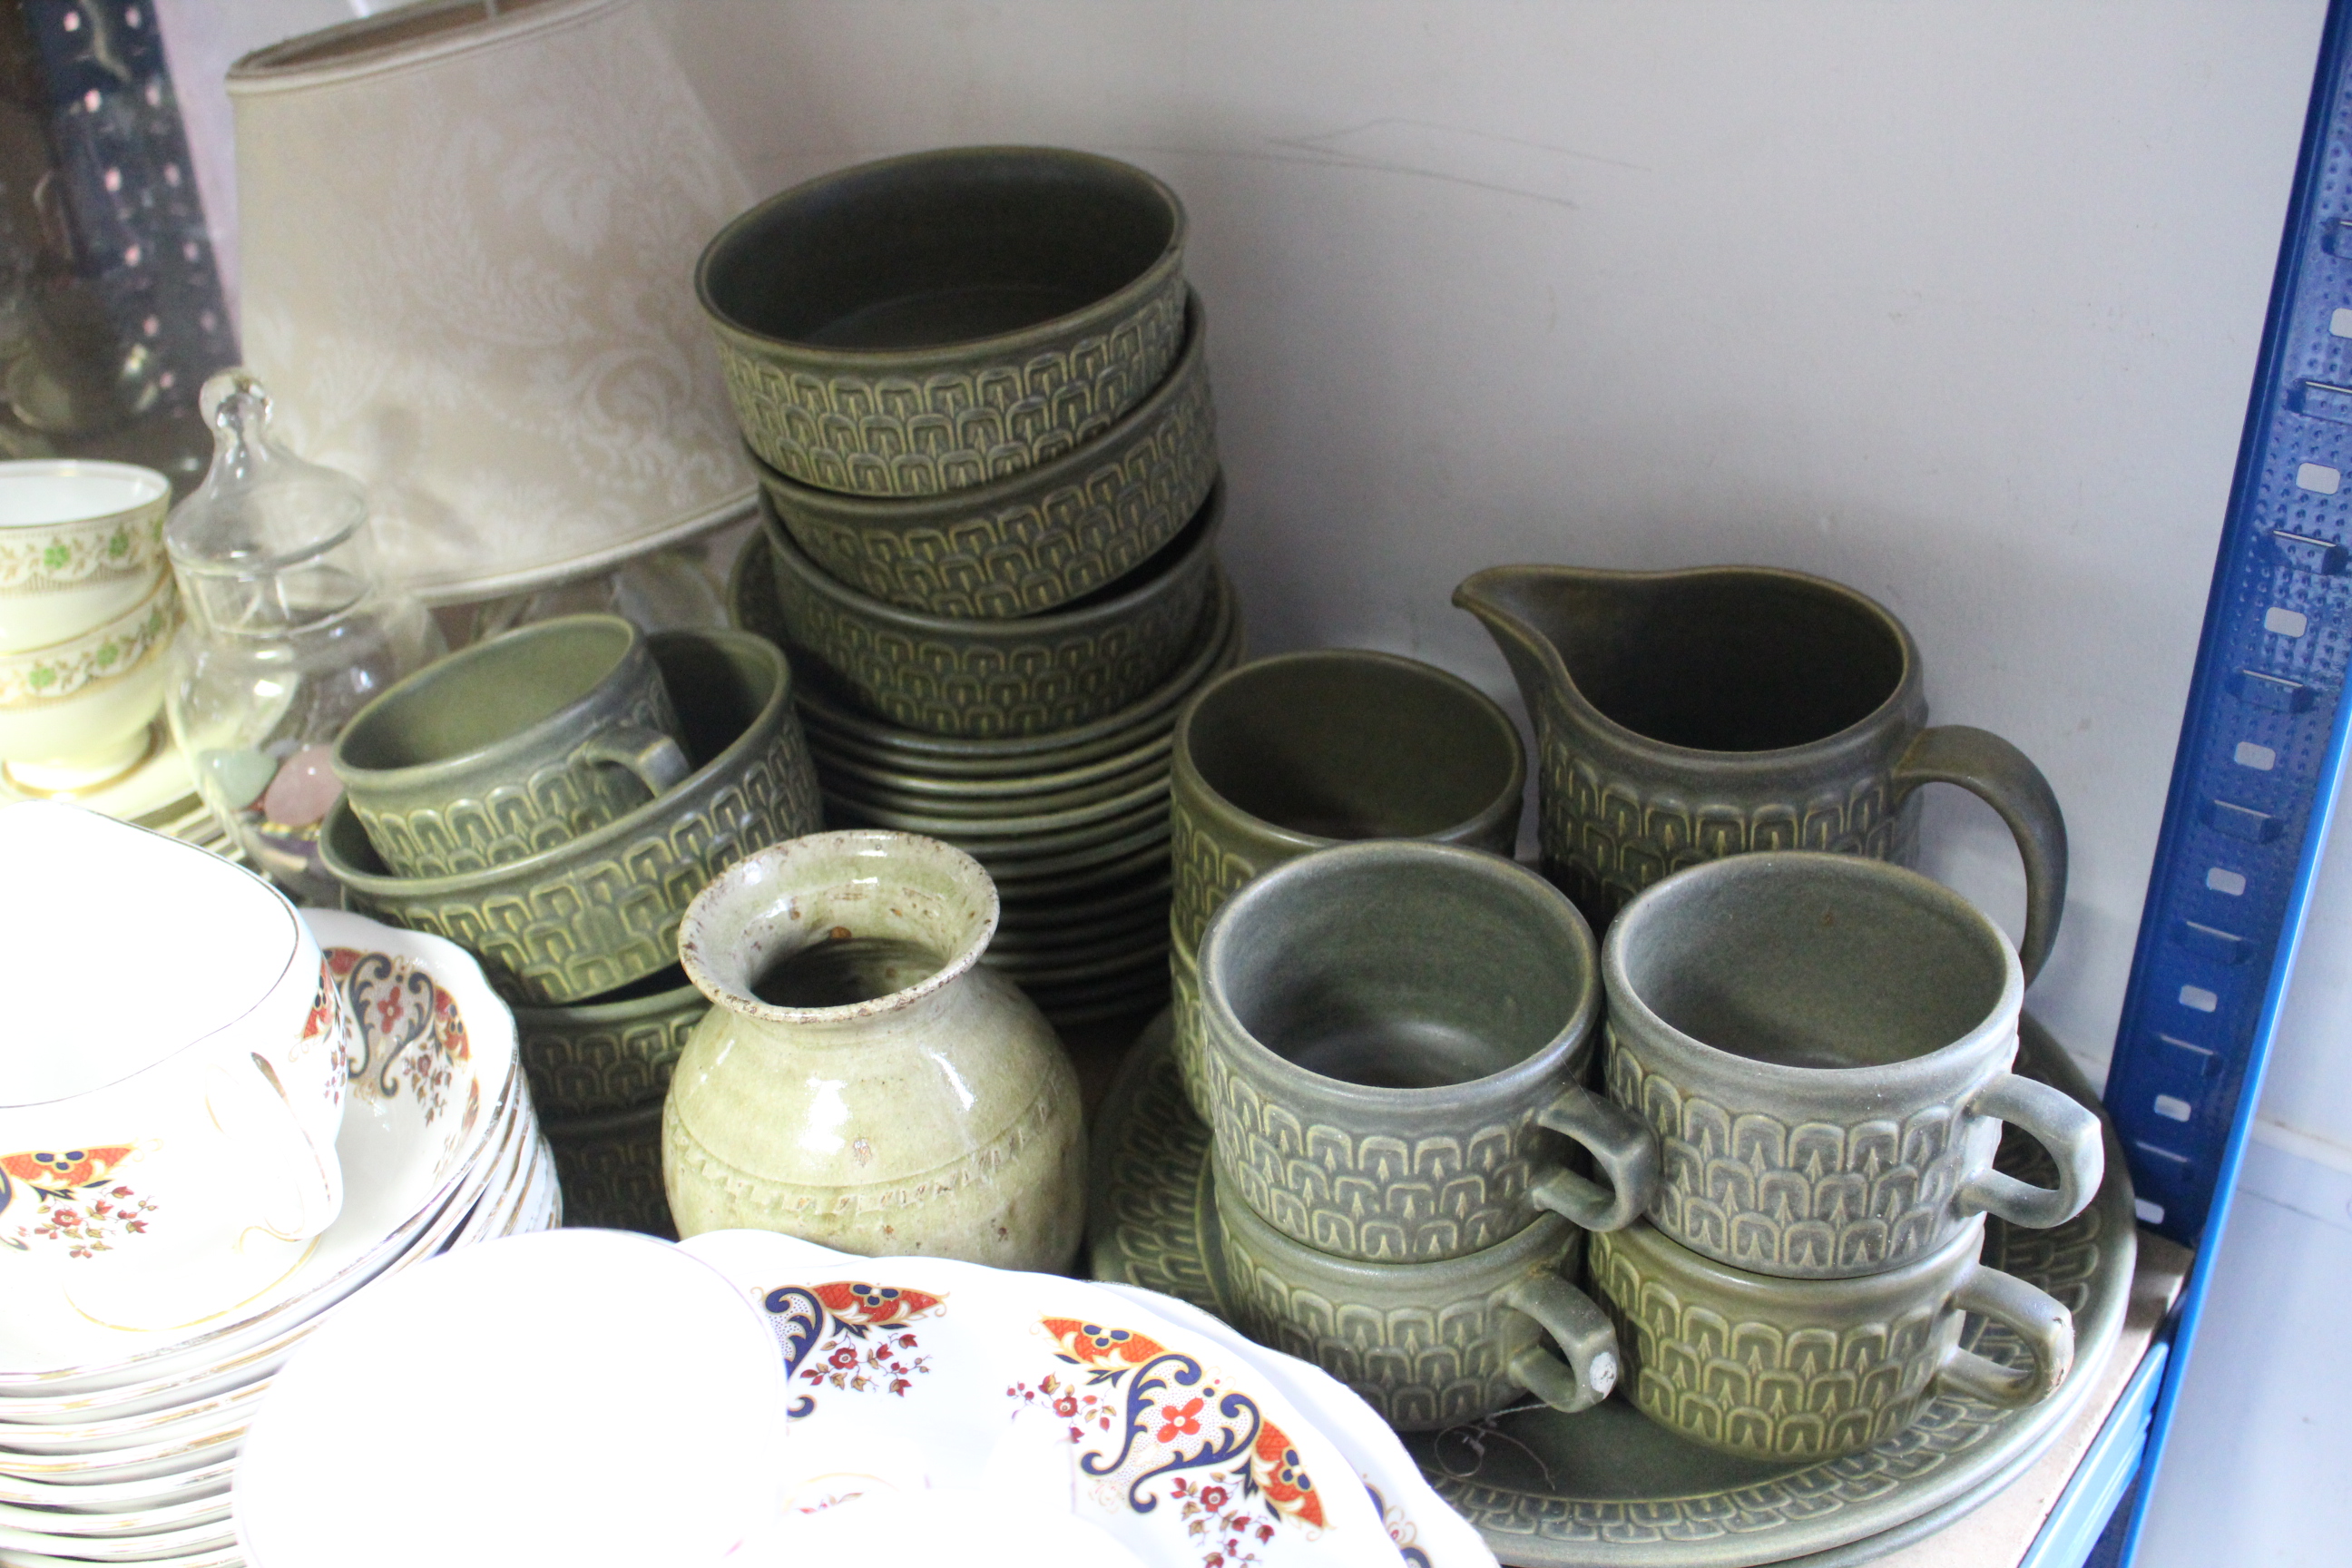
(908, 1373)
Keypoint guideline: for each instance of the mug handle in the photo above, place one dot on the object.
(2005, 779)
(1625, 1150)
(2061, 1124)
(2046, 1327)
(318, 1191)
(656, 759)
(1582, 1332)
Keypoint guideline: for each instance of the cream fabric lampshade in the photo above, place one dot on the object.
(469, 233)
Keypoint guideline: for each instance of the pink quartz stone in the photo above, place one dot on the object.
(306, 785)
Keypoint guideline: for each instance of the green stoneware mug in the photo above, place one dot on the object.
(511, 747)
(1301, 752)
(1681, 716)
(1395, 1035)
(1426, 1344)
(1822, 1044)
(1802, 1370)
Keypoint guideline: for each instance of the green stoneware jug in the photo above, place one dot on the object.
(1683, 716)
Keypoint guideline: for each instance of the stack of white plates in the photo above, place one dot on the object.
(116, 1446)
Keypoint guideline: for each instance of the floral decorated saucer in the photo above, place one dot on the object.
(1608, 1489)
(908, 1373)
(1427, 1531)
(435, 1089)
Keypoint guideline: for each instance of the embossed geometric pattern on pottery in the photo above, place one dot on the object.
(1206, 873)
(2063, 1261)
(1799, 1199)
(1609, 841)
(946, 687)
(587, 1072)
(596, 925)
(553, 804)
(1418, 1366)
(615, 1183)
(1159, 1220)
(1377, 1195)
(915, 435)
(1795, 1393)
(1053, 1114)
(1042, 550)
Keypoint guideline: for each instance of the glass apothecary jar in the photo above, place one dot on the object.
(290, 631)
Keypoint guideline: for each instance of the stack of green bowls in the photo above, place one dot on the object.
(991, 497)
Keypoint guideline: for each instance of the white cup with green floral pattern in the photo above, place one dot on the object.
(80, 543)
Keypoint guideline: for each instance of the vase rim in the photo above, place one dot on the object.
(700, 941)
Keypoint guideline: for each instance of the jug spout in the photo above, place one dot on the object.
(1534, 613)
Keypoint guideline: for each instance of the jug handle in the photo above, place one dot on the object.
(1625, 1150)
(656, 759)
(318, 1184)
(1580, 1330)
(2005, 779)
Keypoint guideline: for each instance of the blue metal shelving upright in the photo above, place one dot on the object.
(2255, 778)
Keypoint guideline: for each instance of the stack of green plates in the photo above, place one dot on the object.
(1072, 824)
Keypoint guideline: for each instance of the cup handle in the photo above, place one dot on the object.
(2005, 779)
(1582, 1332)
(2069, 1129)
(656, 759)
(2046, 1327)
(318, 1191)
(1625, 1150)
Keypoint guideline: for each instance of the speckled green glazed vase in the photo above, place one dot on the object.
(860, 1081)
(1298, 752)
(511, 746)
(1396, 1033)
(1822, 1044)
(868, 352)
(1426, 1344)
(1023, 544)
(1682, 716)
(1799, 1370)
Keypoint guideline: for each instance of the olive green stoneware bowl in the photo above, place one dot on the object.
(610, 1170)
(1023, 544)
(927, 323)
(979, 679)
(602, 911)
(608, 1053)
(835, 730)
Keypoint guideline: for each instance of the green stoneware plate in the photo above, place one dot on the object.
(837, 727)
(1013, 850)
(1086, 966)
(878, 774)
(1031, 542)
(1607, 1488)
(1148, 892)
(1150, 796)
(1128, 931)
(1041, 675)
(852, 783)
(865, 355)
(1030, 889)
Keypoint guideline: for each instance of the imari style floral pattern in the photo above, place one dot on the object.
(63, 668)
(330, 1024)
(77, 1204)
(410, 1034)
(1159, 1430)
(849, 1335)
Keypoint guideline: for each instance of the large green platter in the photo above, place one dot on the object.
(1607, 1488)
